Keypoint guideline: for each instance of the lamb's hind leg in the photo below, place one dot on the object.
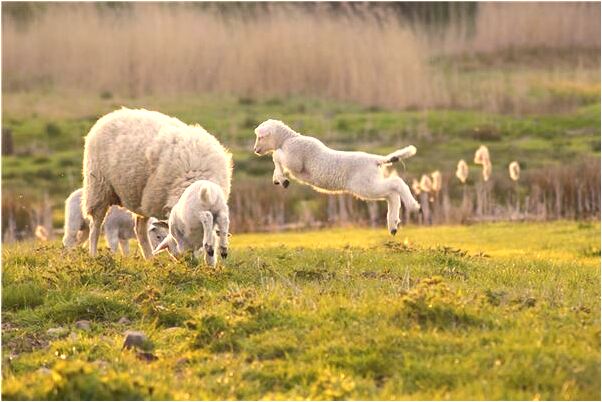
(394, 205)
(113, 240)
(142, 236)
(125, 246)
(405, 193)
(378, 188)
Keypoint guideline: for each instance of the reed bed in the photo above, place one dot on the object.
(369, 56)
(555, 192)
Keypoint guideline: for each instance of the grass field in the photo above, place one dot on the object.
(500, 311)
(49, 143)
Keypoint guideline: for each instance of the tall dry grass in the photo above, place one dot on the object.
(502, 26)
(371, 57)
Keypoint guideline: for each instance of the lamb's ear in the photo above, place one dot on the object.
(262, 130)
(160, 224)
(162, 246)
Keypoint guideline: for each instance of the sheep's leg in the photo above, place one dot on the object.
(210, 258)
(405, 193)
(83, 235)
(96, 218)
(113, 241)
(208, 237)
(223, 224)
(125, 246)
(394, 205)
(279, 177)
(142, 236)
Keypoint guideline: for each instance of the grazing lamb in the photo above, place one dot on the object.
(308, 160)
(144, 161)
(201, 207)
(118, 225)
(76, 225)
(119, 228)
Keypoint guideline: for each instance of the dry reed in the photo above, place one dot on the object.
(514, 170)
(372, 58)
(436, 180)
(462, 171)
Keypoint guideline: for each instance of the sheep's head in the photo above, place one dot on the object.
(269, 136)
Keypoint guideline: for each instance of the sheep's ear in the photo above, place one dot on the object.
(162, 246)
(160, 224)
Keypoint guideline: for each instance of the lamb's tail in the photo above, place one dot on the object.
(399, 155)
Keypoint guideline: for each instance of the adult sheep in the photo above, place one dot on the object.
(144, 161)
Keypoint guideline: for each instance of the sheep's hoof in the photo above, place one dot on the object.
(209, 250)
(285, 183)
(393, 232)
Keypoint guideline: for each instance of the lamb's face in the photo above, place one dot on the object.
(157, 231)
(266, 141)
(170, 244)
(185, 237)
(262, 145)
(171, 241)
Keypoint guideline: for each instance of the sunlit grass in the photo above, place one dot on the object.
(496, 311)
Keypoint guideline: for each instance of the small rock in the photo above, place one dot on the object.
(124, 321)
(182, 361)
(147, 356)
(58, 332)
(135, 339)
(101, 364)
(83, 324)
(44, 370)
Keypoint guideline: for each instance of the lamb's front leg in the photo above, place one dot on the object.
(223, 225)
(279, 177)
(208, 239)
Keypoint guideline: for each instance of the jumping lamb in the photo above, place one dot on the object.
(118, 226)
(144, 161)
(201, 207)
(309, 161)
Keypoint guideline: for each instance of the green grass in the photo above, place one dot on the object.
(50, 146)
(499, 311)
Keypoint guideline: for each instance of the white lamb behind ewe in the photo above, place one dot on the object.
(144, 161)
(118, 226)
(192, 220)
(309, 161)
